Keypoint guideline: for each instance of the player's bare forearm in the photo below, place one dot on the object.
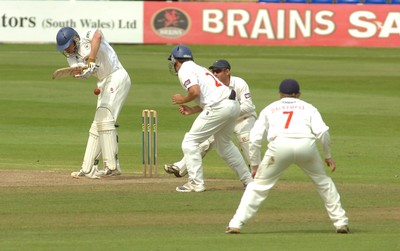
(196, 109)
(95, 44)
(193, 93)
(186, 110)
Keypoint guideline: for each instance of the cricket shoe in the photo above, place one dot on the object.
(172, 169)
(189, 187)
(77, 174)
(108, 172)
(98, 172)
(232, 230)
(343, 229)
(80, 173)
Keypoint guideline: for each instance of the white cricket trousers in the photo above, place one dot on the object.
(114, 90)
(281, 153)
(218, 120)
(241, 130)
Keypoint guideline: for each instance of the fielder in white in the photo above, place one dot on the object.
(91, 51)
(218, 110)
(293, 127)
(222, 70)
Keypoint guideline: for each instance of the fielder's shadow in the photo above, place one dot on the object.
(294, 231)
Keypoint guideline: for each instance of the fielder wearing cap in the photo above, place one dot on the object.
(293, 128)
(217, 111)
(289, 86)
(221, 70)
(220, 64)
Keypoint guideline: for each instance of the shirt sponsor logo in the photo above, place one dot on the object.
(247, 95)
(187, 82)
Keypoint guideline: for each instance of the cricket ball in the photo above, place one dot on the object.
(96, 91)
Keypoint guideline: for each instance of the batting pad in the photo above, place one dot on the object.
(92, 152)
(108, 137)
(206, 146)
(243, 140)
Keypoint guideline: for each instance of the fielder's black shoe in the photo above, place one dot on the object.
(343, 229)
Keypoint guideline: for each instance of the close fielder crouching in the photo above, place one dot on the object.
(101, 61)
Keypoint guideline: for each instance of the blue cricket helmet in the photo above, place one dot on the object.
(65, 37)
(181, 52)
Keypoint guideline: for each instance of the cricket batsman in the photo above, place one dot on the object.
(97, 58)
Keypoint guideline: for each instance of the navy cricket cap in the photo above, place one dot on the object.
(289, 86)
(221, 63)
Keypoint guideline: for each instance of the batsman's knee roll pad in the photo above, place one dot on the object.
(93, 129)
(104, 119)
(207, 145)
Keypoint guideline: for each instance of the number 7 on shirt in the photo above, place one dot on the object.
(289, 118)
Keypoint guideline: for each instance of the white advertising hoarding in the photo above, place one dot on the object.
(39, 21)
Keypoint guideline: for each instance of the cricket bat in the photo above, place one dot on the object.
(66, 72)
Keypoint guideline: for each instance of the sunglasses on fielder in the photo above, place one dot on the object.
(218, 70)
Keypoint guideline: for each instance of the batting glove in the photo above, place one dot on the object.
(85, 74)
(90, 68)
(91, 64)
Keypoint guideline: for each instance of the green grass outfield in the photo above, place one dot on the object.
(44, 127)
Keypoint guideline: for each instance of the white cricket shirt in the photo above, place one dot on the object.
(106, 57)
(212, 90)
(247, 108)
(289, 117)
